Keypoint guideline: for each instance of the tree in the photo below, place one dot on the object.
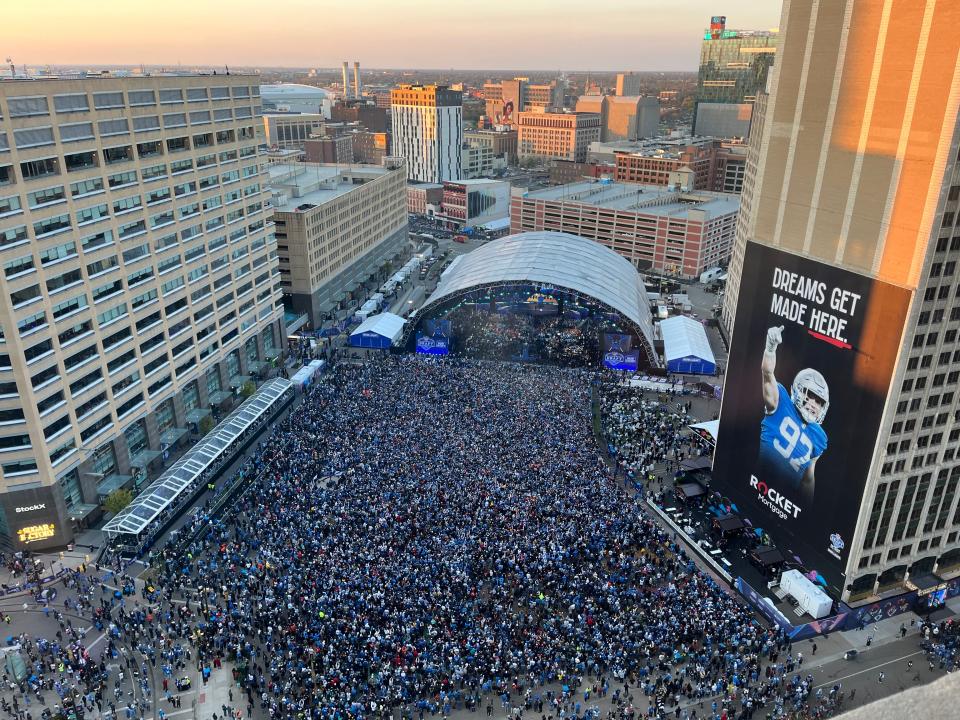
(206, 424)
(117, 500)
(248, 389)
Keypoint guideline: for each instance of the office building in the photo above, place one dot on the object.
(716, 165)
(140, 281)
(501, 140)
(371, 117)
(291, 131)
(428, 131)
(333, 148)
(681, 233)
(564, 136)
(628, 84)
(623, 118)
(336, 228)
(733, 69)
(853, 181)
(507, 98)
(370, 148)
(479, 161)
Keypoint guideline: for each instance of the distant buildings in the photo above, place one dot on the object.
(565, 136)
(473, 202)
(567, 171)
(291, 131)
(507, 98)
(333, 148)
(628, 85)
(373, 118)
(428, 131)
(293, 98)
(681, 233)
(479, 161)
(733, 70)
(714, 165)
(623, 118)
(336, 226)
(502, 141)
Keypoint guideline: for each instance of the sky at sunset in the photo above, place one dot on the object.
(491, 34)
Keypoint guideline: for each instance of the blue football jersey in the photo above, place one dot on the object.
(788, 444)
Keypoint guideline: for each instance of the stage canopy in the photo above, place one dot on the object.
(767, 556)
(378, 331)
(688, 491)
(557, 260)
(728, 523)
(707, 430)
(686, 347)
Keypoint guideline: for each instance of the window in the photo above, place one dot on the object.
(59, 282)
(105, 291)
(32, 169)
(117, 338)
(13, 236)
(74, 132)
(196, 94)
(61, 310)
(116, 126)
(180, 144)
(112, 314)
(80, 161)
(107, 100)
(146, 123)
(101, 266)
(118, 180)
(149, 149)
(24, 296)
(51, 225)
(124, 205)
(86, 187)
(92, 214)
(27, 106)
(71, 103)
(171, 95)
(33, 137)
(141, 97)
(135, 253)
(101, 239)
(200, 117)
(20, 265)
(120, 154)
(39, 198)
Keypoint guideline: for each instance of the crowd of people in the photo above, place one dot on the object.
(643, 430)
(421, 537)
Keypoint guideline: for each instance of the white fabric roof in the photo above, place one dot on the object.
(710, 426)
(385, 324)
(683, 337)
(167, 488)
(558, 259)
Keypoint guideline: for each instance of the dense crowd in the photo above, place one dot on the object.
(419, 538)
(644, 430)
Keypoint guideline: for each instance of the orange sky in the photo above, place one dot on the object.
(533, 34)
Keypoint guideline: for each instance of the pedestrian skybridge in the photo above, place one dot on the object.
(200, 463)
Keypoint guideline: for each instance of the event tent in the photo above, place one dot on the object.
(686, 347)
(707, 430)
(378, 331)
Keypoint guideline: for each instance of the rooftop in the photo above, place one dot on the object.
(646, 199)
(292, 90)
(302, 186)
(665, 147)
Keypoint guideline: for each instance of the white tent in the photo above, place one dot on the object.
(710, 427)
(686, 347)
(379, 331)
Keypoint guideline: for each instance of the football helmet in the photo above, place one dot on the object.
(810, 382)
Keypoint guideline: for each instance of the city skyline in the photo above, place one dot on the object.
(651, 35)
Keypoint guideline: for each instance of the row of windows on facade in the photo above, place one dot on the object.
(121, 388)
(42, 136)
(135, 435)
(39, 105)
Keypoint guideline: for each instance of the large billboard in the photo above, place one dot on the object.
(434, 338)
(35, 518)
(811, 358)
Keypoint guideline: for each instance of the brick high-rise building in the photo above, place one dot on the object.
(565, 136)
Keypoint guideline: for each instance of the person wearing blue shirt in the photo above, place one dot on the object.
(792, 438)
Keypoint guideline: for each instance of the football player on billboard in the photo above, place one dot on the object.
(791, 434)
